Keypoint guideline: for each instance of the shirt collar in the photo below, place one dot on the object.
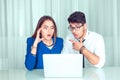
(86, 34)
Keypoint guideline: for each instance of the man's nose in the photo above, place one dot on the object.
(73, 31)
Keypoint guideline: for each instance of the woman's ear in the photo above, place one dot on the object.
(40, 35)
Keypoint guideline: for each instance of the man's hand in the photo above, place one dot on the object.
(76, 45)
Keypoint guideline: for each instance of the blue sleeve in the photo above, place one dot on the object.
(30, 60)
(60, 44)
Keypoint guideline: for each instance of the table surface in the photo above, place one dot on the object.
(106, 73)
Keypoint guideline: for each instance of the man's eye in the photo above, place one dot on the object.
(72, 27)
(78, 27)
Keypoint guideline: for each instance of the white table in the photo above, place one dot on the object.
(106, 73)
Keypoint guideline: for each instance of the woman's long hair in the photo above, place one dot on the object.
(41, 21)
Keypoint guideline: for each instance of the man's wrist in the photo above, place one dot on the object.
(81, 49)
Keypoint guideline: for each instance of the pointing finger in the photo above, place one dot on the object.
(72, 41)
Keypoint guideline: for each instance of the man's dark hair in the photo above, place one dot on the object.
(77, 17)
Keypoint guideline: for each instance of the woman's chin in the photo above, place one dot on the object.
(48, 38)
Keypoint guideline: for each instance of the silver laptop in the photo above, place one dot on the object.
(63, 65)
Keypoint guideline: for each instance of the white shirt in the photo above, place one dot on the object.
(93, 42)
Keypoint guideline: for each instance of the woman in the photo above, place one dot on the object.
(43, 41)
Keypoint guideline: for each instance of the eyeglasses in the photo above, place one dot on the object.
(77, 28)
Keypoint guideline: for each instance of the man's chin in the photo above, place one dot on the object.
(76, 37)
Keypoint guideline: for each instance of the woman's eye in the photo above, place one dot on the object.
(46, 27)
(52, 27)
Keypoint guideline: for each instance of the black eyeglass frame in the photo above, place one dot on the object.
(76, 28)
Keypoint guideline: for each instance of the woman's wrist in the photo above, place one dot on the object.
(33, 50)
(33, 47)
(35, 44)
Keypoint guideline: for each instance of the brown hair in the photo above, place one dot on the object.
(40, 22)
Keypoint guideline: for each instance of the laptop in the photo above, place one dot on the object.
(63, 65)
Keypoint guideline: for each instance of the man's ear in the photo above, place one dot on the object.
(85, 26)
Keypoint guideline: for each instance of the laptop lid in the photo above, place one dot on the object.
(63, 65)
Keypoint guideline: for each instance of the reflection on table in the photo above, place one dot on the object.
(106, 73)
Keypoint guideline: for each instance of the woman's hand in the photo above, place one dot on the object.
(37, 40)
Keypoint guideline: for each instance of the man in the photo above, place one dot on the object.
(85, 42)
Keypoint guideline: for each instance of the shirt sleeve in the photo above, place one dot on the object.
(58, 45)
(100, 51)
(30, 60)
(61, 45)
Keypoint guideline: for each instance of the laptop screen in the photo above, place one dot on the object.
(63, 65)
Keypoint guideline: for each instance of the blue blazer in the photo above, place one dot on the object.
(36, 62)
